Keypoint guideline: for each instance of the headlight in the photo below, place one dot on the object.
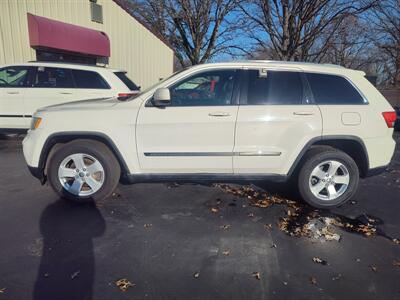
(35, 123)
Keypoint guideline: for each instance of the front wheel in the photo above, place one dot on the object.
(83, 170)
(328, 178)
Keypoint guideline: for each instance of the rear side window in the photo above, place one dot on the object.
(89, 80)
(332, 89)
(274, 87)
(46, 77)
(125, 79)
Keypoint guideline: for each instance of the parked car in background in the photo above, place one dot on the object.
(323, 126)
(24, 88)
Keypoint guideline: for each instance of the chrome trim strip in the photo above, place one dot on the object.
(188, 153)
(248, 153)
(259, 153)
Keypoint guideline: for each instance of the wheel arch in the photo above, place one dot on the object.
(351, 145)
(65, 137)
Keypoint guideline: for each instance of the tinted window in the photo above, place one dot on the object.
(53, 78)
(13, 77)
(205, 89)
(274, 87)
(331, 89)
(125, 79)
(89, 80)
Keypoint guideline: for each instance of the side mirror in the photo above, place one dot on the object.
(161, 97)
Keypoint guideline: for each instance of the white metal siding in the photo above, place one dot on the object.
(133, 47)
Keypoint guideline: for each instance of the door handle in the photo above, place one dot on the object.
(12, 93)
(303, 113)
(219, 114)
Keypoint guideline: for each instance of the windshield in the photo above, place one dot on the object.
(160, 82)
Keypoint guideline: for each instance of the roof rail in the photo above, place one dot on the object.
(65, 62)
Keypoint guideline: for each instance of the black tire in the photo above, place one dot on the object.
(97, 150)
(313, 158)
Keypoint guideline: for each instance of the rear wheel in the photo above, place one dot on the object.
(328, 177)
(83, 170)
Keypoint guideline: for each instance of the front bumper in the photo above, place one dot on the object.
(38, 173)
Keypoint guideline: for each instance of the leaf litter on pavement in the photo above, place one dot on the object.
(302, 220)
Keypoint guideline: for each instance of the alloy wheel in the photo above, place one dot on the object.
(81, 174)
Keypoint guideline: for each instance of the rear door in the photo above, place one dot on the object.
(55, 85)
(275, 121)
(13, 84)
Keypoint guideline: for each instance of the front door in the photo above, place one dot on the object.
(195, 134)
(13, 82)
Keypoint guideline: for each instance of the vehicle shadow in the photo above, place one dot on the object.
(67, 264)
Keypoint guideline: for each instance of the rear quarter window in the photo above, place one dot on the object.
(333, 89)
(89, 80)
(126, 80)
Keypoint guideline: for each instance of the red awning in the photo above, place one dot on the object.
(47, 33)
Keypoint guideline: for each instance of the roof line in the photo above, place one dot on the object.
(124, 5)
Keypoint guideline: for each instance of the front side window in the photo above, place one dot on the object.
(333, 89)
(210, 88)
(274, 87)
(89, 80)
(14, 77)
(47, 77)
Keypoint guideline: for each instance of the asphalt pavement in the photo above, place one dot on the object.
(191, 241)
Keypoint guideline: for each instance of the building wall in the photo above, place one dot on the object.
(133, 47)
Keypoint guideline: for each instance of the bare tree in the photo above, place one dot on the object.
(293, 28)
(197, 30)
(385, 21)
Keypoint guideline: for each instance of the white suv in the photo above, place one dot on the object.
(322, 125)
(24, 88)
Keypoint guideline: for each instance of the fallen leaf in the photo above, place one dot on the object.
(273, 246)
(374, 268)
(250, 215)
(214, 210)
(313, 280)
(75, 274)
(147, 225)
(2, 290)
(123, 284)
(226, 252)
(396, 241)
(396, 263)
(320, 261)
(337, 277)
(285, 283)
(225, 227)
(256, 275)
(268, 226)
(196, 274)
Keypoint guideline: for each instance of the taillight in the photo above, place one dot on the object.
(124, 96)
(390, 118)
